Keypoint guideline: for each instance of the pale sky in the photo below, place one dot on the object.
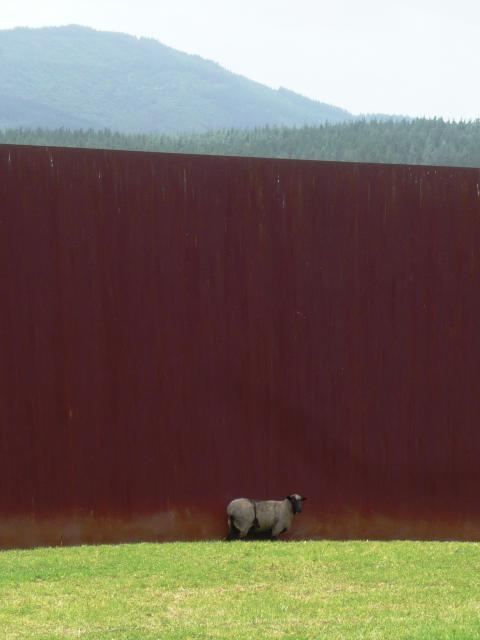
(409, 57)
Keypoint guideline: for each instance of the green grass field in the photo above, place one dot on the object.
(243, 590)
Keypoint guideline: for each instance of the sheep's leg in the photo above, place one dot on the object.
(237, 528)
(248, 526)
(232, 530)
(277, 530)
(232, 534)
(243, 533)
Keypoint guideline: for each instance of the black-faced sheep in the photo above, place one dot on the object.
(261, 516)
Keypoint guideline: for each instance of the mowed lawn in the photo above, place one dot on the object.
(243, 590)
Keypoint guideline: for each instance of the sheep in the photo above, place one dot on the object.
(261, 516)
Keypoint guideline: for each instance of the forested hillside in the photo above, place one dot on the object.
(410, 142)
(77, 77)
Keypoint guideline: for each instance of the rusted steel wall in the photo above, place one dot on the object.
(176, 331)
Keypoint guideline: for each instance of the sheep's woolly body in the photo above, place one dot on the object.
(261, 516)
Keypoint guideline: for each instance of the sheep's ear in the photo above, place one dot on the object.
(289, 498)
(303, 498)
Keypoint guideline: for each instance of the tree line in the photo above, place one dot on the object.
(418, 141)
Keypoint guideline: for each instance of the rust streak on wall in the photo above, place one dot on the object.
(177, 330)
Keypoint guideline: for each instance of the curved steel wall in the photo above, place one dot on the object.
(179, 330)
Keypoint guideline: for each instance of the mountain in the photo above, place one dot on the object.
(76, 77)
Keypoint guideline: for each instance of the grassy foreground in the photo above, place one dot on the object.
(243, 590)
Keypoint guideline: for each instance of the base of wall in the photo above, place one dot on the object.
(187, 524)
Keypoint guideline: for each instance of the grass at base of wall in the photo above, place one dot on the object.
(240, 590)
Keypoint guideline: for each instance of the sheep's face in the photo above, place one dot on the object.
(296, 502)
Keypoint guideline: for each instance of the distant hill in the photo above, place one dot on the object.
(77, 77)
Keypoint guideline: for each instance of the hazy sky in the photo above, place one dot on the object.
(411, 57)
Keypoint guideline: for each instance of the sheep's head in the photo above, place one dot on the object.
(296, 502)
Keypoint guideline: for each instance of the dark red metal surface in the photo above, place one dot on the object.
(176, 331)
